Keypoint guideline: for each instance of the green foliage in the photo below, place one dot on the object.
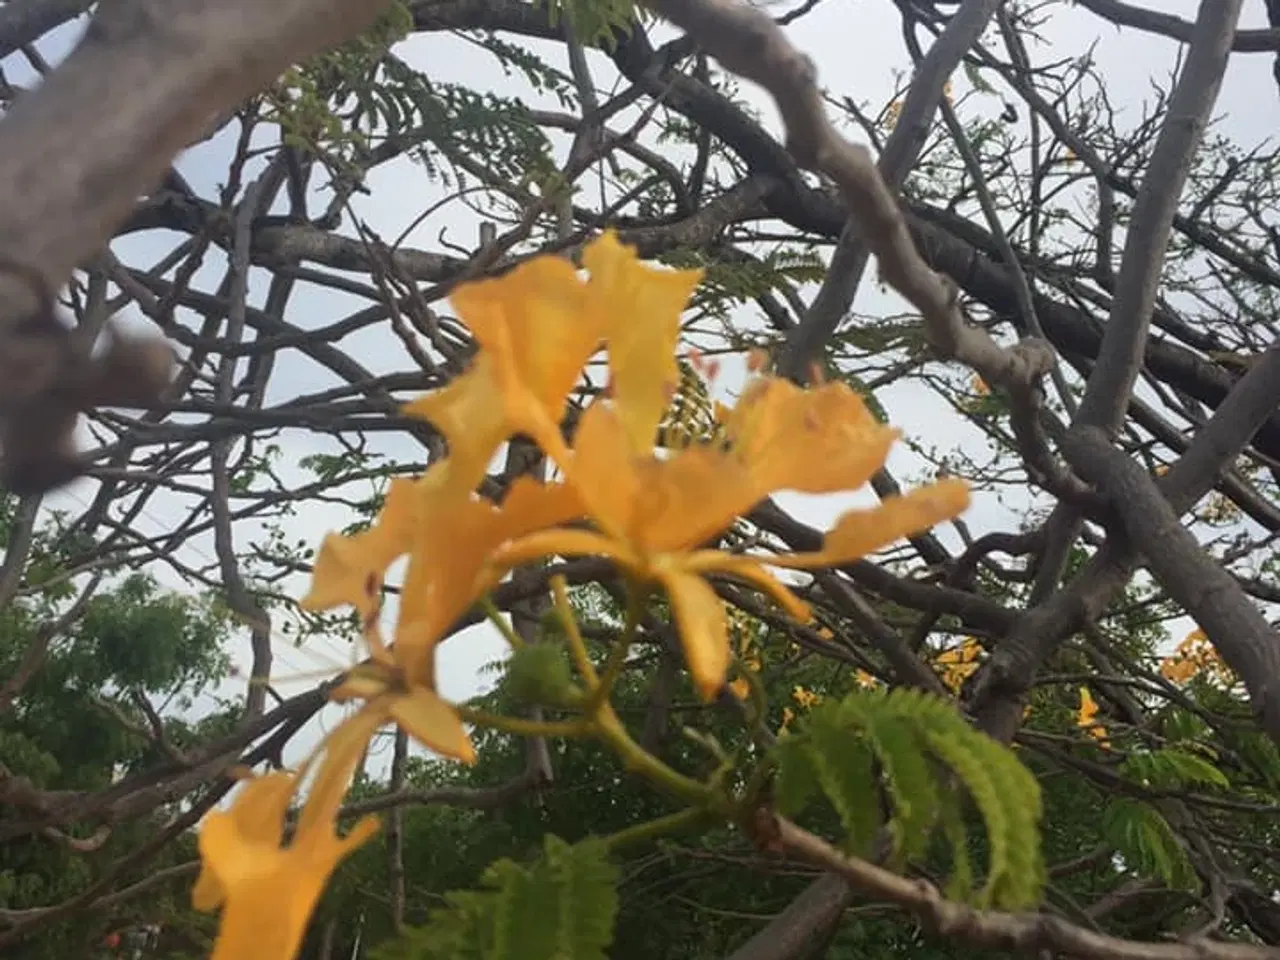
(906, 752)
(594, 22)
(560, 908)
(1172, 769)
(1148, 844)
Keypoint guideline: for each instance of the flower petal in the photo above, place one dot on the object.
(449, 566)
(349, 570)
(752, 570)
(860, 532)
(700, 617)
(433, 723)
(642, 306)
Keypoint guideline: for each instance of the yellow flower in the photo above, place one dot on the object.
(891, 114)
(535, 331)
(788, 715)
(959, 663)
(449, 534)
(866, 680)
(268, 891)
(1196, 655)
(980, 386)
(653, 514)
(643, 307)
(1086, 719)
(804, 698)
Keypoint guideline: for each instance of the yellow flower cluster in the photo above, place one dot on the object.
(1087, 718)
(652, 512)
(959, 663)
(1194, 656)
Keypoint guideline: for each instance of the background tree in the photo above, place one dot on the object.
(300, 259)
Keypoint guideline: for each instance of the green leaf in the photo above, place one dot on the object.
(560, 908)
(1148, 844)
(1171, 769)
(918, 754)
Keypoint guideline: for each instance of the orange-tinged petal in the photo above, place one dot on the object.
(860, 532)
(349, 570)
(754, 572)
(603, 469)
(471, 413)
(814, 441)
(540, 313)
(343, 749)
(269, 904)
(700, 618)
(656, 505)
(268, 892)
(433, 723)
(449, 566)
(643, 307)
(258, 815)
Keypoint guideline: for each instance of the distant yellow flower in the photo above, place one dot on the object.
(1086, 719)
(980, 386)
(1162, 469)
(788, 717)
(959, 663)
(1194, 656)
(654, 513)
(267, 892)
(804, 698)
(948, 91)
(892, 113)
(866, 680)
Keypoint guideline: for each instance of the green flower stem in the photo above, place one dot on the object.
(496, 618)
(688, 819)
(577, 646)
(526, 728)
(639, 760)
(637, 596)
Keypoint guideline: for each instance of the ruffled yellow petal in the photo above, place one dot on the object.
(642, 306)
(814, 441)
(860, 532)
(449, 565)
(258, 816)
(700, 618)
(471, 413)
(349, 570)
(433, 723)
(535, 330)
(268, 892)
(656, 505)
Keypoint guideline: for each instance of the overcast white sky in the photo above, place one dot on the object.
(859, 52)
